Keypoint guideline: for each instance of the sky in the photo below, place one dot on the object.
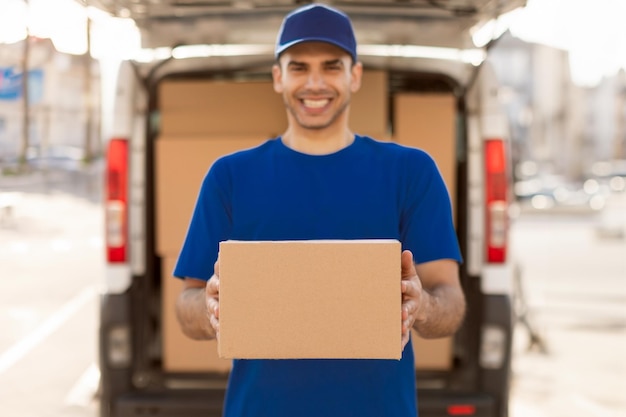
(64, 22)
(593, 31)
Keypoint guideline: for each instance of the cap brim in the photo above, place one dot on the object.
(279, 50)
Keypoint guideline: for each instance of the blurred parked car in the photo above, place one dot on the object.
(612, 174)
(58, 157)
(554, 192)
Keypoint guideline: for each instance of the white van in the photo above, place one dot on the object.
(208, 92)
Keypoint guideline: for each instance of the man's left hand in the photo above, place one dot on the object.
(412, 293)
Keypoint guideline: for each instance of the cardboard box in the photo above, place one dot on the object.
(310, 299)
(369, 109)
(432, 354)
(246, 108)
(181, 165)
(220, 108)
(180, 353)
(428, 122)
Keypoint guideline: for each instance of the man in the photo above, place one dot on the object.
(319, 180)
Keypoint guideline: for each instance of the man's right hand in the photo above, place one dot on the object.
(197, 307)
(213, 300)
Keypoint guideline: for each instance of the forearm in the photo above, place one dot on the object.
(441, 312)
(192, 314)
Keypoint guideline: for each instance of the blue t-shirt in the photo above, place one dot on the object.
(368, 190)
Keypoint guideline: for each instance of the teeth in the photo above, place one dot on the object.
(316, 104)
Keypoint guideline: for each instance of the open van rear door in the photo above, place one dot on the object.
(443, 23)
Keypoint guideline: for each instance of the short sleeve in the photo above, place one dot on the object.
(426, 223)
(210, 223)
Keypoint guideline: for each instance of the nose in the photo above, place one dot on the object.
(315, 80)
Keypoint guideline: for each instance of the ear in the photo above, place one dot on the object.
(357, 74)
(277, 76)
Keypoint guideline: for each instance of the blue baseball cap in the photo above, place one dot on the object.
(316, 22)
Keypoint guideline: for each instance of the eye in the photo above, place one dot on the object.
(297, 68)
(333, 66)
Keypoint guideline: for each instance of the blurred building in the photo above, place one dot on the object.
(63, 110)
(607, 118)
(561, 126)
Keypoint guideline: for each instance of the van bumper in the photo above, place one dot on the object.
(441, 403)
(208, 403)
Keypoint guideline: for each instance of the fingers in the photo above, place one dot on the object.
(409, 310)
(213, 306)
(214, 321)
(410, 285)
(216, 267)
(405, 339)
(407, 324)
(410, 288)
(407, 264)
(411, 294)
(214, 314)
(212, 302)
(213, 287)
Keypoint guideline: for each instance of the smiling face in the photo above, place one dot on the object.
(316, 81)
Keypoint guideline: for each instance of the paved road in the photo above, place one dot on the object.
(52, 266)
(50, 252)
(575, 285)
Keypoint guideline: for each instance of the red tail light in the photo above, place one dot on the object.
(497, 202)
(116, 200)
(461, 410)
